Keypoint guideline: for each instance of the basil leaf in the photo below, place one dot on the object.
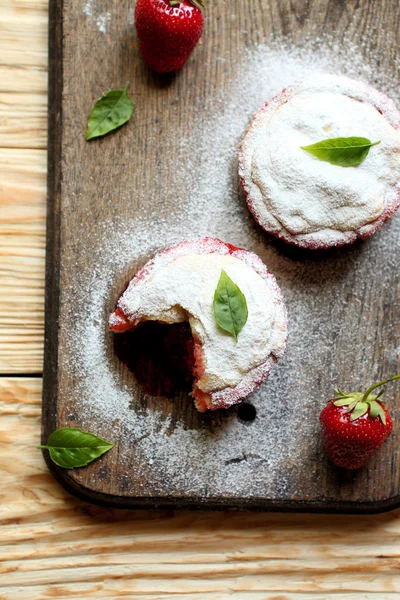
(109, 112)
(230, 306)
(343, 152)
(71, 448)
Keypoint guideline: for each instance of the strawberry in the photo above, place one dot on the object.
(355, 425)
(168, 31)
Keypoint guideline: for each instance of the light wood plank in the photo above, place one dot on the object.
(23, 120)
(21, 5)
(22, 187)
(23, 31)
(22, 79)
(109, 590)
(52, 544)
(23, 130)
(22, 258)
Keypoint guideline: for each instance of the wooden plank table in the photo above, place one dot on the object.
(52, 545)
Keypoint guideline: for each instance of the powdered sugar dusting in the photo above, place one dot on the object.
(95, 15)
(236, 459)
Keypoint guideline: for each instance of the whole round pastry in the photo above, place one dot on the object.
(178, 285)
(306, 201)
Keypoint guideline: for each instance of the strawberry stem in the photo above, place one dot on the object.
(371, 389)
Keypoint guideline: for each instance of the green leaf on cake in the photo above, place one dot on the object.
(230, 306)
(343, 151)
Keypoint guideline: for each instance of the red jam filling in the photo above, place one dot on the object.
(201, 400)
(122, 323)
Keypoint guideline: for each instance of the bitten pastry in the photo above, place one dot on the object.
(306, 201)
(178, 285)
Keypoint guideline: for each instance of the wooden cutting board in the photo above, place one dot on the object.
(114, 202)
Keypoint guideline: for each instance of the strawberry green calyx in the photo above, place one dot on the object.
(197, 3)
(357, 407)
(359, 403)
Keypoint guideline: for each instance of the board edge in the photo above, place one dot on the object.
(320, 506)
(52, 272)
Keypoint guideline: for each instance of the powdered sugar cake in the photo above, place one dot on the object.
(178, 286)
(171, 175)
(309, 202)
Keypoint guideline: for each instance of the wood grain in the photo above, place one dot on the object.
(22, 240)
(54, 545)
(30, 130)
(39, 521)
(31, 29)
(23, 160)
(84, 177)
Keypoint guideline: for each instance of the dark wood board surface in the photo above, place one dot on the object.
(127, 191)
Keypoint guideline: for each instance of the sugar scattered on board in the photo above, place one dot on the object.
(179, 457)
(95, 15)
